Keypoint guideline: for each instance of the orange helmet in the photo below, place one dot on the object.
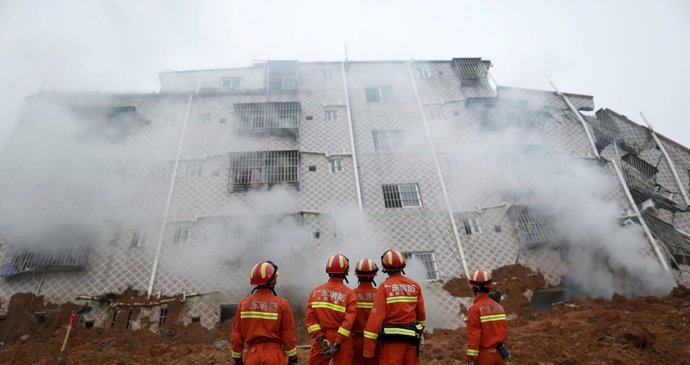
(392, 261)
(265, 273)
(338, 265)
(481, 279)
(366, 268)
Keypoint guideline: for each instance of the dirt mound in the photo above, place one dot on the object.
(617, 331)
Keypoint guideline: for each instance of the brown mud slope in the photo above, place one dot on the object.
(644, 330)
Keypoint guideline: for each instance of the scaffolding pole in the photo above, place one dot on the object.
(579, 117)
(456, 235)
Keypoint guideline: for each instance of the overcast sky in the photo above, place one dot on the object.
(633, 56)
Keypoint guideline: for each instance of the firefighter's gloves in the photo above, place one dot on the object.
(325, 346)
(331, 350)
(292, 361)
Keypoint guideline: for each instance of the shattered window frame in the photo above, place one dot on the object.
(428, 261)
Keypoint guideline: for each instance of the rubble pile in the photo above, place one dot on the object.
(617, 331)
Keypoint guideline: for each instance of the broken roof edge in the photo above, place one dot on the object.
(630, 121)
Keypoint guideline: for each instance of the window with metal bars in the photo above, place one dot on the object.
(255, 169)
(193, 169)
(428, 261)
(434, 112)
(112, 122)
(282, 75)
(401, 196)
(423, 72)
(336, 164)
(471, 222)
(331, 115)
(64, 248)
(533, 224)
(640, 165)
(380, 94)
(470, 69)
(262, 117)
(389, 140)
(182, 234)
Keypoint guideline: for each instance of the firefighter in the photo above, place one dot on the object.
(487, 328)
(331, 312)
(264, 322)
(398, 318)
(365, 270)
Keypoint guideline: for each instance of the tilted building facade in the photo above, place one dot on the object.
(399, 143)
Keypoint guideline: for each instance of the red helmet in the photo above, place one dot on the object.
(366, 268)
(392, 260)
(265, 273)
(481, 279)
(338, 265)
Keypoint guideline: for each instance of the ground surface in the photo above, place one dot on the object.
(644, 330)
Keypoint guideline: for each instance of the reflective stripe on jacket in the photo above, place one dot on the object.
(486, 325)
(263, 317)
(331, 306)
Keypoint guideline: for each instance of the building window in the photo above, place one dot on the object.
(471, 223)
(331, 115)
(254, 169)
(533, 224)
(434, 112)
(182, 234)
(262, 117)
(427, 260)
(203, 118)
(282, 75)
(380, 94)
(194, 169)
(401, 196)
(336, 165)
(230, 82)
(389, 140)
(139, 239)
(159, 171)
(423, 72)
(327, 74)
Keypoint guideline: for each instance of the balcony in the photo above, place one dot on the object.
(253, 170)
(279, 118)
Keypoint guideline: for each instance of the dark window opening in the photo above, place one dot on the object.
(196, 319)
(312, 168)
(162, 315)
(227, 311)
(129, 318)
(113, 318)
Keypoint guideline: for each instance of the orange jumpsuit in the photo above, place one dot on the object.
(398, 301)
(331, 312)
(486, 327)
(264, 322)
(365, 301)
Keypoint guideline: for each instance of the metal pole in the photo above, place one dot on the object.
(456, 235)
(579, 117)
(171, 188)
(355, 162)
(631, 202)
(668, 159)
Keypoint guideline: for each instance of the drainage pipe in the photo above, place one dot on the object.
(643, 223)
(668, 159)
(171, 188)
(355, 162)
(456, 235)
(579, 117)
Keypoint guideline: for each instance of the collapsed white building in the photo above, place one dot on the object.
(182, 190)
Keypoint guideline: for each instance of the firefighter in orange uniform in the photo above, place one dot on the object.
(264, 322)
(365, 270)
(331, 312)
(487, 328)
(398, 318)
